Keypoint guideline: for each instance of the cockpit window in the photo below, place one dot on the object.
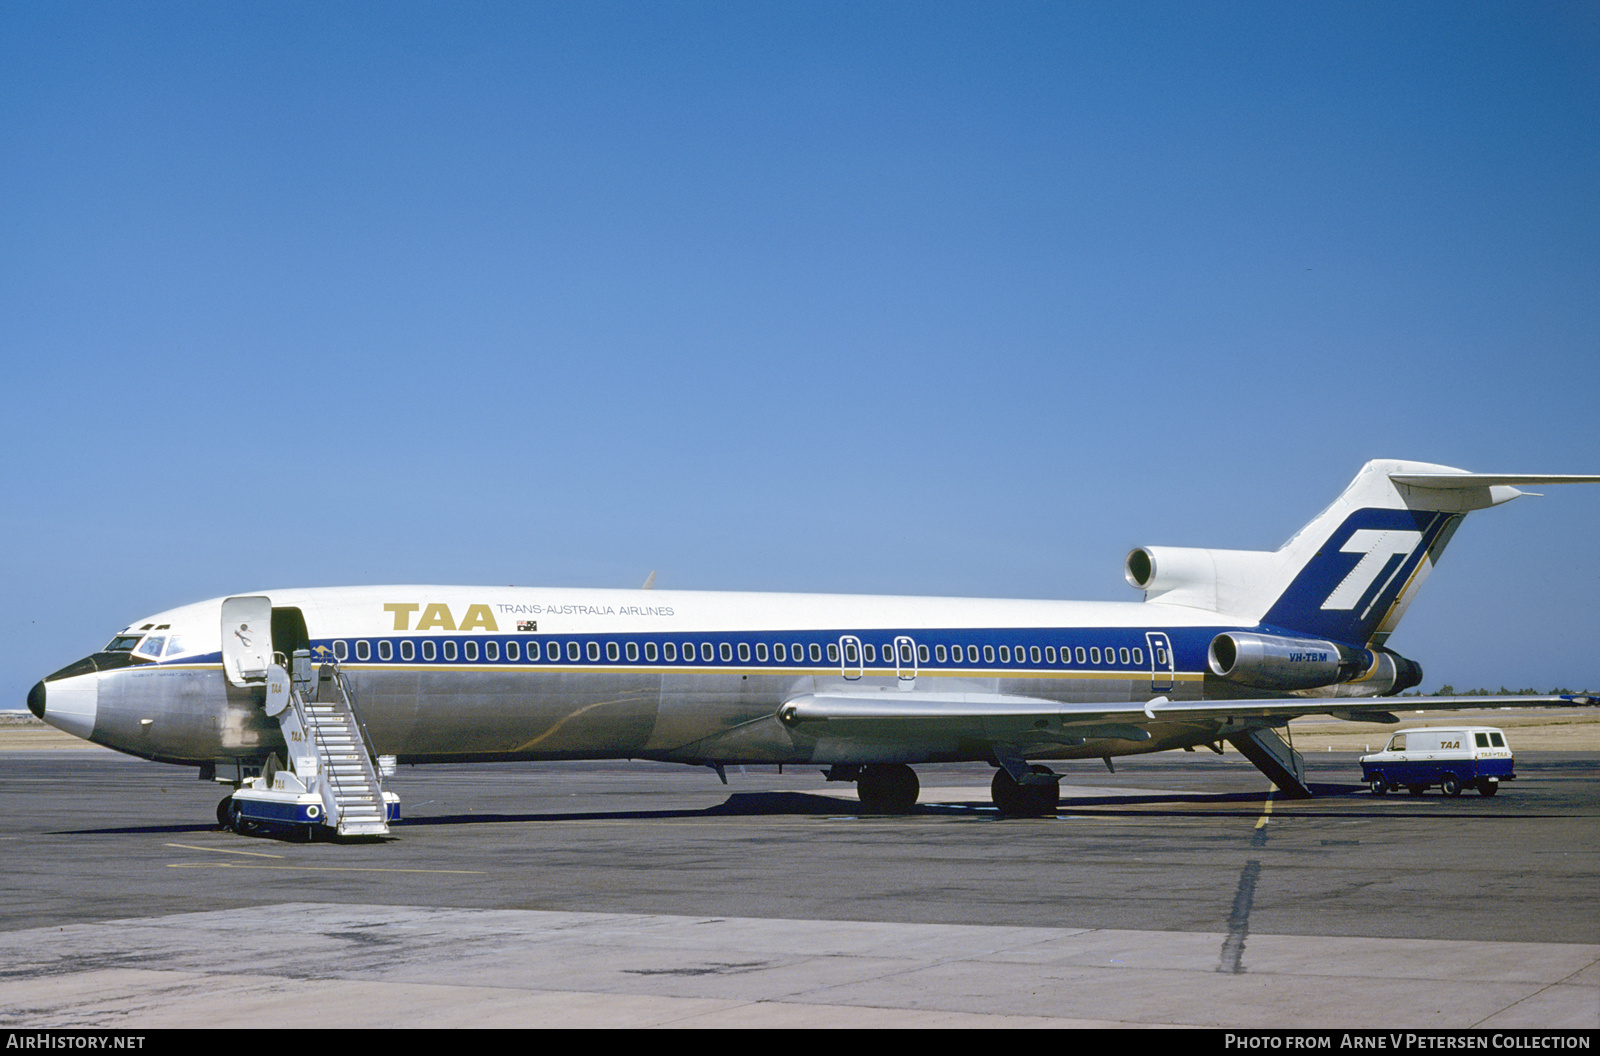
(122, 643)
(151, 646)
(175, 646)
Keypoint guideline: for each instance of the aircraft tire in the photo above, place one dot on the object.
(1024, 801)
(1451, 785)
(888, 788)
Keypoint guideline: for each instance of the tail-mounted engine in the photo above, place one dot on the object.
(1266, 661)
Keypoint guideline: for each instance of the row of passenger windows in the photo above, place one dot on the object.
(855, 654)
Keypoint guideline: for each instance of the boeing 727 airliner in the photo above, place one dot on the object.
(300, 699)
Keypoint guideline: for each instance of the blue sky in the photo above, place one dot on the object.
(956, 298)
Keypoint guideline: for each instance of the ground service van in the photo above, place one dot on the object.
(1450, 757)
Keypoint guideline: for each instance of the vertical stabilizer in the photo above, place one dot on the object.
(1349, 575)
(1359, 564)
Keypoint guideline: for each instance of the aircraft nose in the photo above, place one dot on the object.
(68, 699)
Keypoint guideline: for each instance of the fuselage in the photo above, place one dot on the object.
(443, 674)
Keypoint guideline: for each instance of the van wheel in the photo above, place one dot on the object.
(1451, 785)
(1487, 787)
(1378, 785)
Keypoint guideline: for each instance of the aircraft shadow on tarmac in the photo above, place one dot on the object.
(757, 804)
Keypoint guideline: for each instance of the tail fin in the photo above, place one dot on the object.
(1349, 575)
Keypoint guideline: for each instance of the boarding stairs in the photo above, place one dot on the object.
(329, 751)
(1274, 757)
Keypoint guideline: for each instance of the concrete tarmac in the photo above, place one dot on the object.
(1175, 892)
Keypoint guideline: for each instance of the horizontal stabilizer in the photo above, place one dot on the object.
(1485, 480)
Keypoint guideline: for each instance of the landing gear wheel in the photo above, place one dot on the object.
(1488, 787)
(1378, 785)
(1024, 801)
(225, 813)
(888, 788)
(1451, 785)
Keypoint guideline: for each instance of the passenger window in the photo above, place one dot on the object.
(780, 653)
(1079, 653)
(816, 653)
(633, 650)
(761, 651)
(385, 650)
(972, 654)
(363, 650)
(513, 651)
(670, 651)
(707, 653)
(612, 652)
(922, 654)
(1122, 654)
(1094, 654)
(449, 649)
(491, 650)
(833, 652)
(533, 651)
(1033, 654)
(988, 654)
(726, 652)
(408, 650)
(429, 651)
(341, 650)
(940, 653)
(1005, 654)
(572, 650)
(469, 649)
(798, 651)
(650, 651)
(871, 653)
(744, 652)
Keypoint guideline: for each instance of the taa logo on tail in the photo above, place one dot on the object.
(1379, 548)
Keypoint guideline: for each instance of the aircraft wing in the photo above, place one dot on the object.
(1010, 718)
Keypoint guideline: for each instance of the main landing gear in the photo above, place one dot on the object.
(1037, 794)
(892, 788)
(887, 788)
